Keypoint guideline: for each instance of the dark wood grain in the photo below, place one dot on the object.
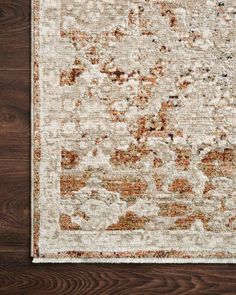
(15, 34)
(117, 279)
(17, 273)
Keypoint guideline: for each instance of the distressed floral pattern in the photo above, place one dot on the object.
(134, 129)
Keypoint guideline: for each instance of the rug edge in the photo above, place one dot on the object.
(32, 130)
(34, 106)
(138, 260)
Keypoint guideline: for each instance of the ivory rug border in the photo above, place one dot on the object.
(95, 255)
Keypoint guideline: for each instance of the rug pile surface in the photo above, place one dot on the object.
(133, 131)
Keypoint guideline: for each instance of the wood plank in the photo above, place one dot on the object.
(117, 279)
(14, 165)
(15, 34)
(14, 116)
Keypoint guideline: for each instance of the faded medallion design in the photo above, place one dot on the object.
(134, 131)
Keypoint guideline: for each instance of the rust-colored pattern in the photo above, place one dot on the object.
(133, 131)
(129, 222)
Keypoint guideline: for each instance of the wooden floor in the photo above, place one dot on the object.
(17, 274)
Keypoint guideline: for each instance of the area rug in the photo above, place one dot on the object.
(133, 131)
